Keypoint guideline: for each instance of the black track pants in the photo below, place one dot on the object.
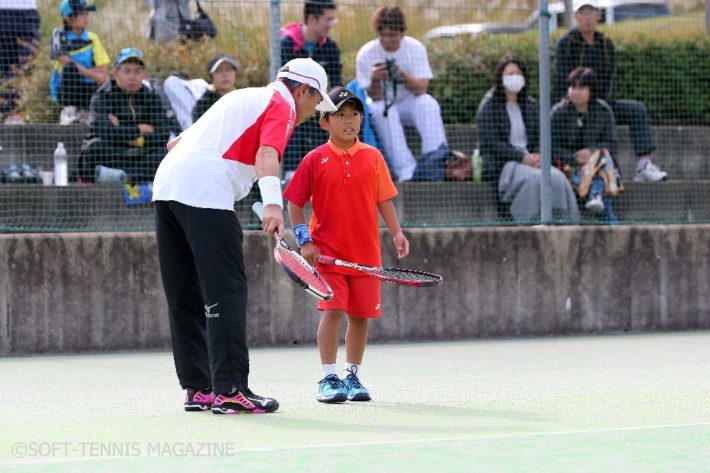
(202, 267)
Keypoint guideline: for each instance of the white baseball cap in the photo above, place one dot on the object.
(307, 71)
(578, 4)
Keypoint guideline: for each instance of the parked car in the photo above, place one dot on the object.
(613, 11)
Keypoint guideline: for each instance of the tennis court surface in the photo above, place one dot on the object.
(626, 403)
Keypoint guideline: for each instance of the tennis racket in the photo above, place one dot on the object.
(399, 276)
(295, 266)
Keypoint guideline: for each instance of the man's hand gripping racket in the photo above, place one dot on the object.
(399, 276)
(295, 266)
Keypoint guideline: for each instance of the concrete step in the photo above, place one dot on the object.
(682, 151)
(96, 207)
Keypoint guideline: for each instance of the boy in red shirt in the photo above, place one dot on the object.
(347, 182)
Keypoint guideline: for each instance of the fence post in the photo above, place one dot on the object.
(545, 139)
(274, 39)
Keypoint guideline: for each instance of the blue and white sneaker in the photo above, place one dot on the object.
(356, 391)
(331, 389)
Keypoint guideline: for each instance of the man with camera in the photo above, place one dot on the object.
(394, 70)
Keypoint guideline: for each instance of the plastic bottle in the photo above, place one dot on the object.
(61, 166)
(477, 164)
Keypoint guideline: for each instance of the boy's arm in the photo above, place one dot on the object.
(309, 251)
(389, 215)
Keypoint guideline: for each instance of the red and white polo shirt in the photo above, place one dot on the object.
(212, 166)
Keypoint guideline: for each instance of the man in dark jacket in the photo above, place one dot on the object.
(310, 39)
(583, 46)
(129, 126)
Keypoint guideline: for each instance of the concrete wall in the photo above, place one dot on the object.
(86, 292)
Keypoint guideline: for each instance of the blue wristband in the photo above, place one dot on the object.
(300, 231)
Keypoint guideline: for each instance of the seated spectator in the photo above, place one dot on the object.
(583, 46)
(222, 70)
(81, 62)
(182, 94)
(508, 131)
(310, 39)
(129, 126)
(19, 40)
(394, 70)
(584, 140)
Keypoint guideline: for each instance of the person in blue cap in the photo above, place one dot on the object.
(81, 62)
(129, 126)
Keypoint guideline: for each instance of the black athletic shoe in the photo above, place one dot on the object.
(200, 400)
(243, 401)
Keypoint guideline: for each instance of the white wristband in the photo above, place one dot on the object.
(270, 187)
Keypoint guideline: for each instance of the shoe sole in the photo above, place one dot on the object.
(360, 397)
(197, 408)
(240, 410)
(643, 179)
(333, 400)
(226, 411)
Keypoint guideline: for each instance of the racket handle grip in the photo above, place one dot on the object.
(326, 259)
(258, 208)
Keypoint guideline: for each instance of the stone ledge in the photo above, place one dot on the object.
(100, 292)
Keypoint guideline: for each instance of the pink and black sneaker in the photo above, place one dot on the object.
(200, 400)
(243, 401)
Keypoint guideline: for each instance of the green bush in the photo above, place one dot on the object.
(665, 63)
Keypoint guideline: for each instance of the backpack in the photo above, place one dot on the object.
(200, 25)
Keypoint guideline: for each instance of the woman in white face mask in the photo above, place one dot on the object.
(508, 132)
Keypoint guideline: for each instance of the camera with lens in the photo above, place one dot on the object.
(393, 72)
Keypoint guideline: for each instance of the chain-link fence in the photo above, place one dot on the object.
(451, 93)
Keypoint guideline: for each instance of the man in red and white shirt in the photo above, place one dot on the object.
(212, 164)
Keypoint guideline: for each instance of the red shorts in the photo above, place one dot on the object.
(358, 296)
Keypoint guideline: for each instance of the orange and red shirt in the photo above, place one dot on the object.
(344, 187)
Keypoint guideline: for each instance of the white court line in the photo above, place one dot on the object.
(45, 461)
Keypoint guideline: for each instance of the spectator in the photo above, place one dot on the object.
(81, 62)
(129, 126)
(19, 40)
(583, 46)
(584, 141)
(394, 70)
(222, 70)
(310, 39)
(508, 130)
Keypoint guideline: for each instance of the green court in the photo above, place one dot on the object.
(627, 403)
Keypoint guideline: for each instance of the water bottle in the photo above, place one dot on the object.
(61, 166)
(477, 164)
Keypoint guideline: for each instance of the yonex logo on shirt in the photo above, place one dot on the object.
(324, 160)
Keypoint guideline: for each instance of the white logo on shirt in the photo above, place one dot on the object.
(377, 307)
(324, 160)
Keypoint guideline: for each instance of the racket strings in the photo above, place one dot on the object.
(408, 275)
(301, 269)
